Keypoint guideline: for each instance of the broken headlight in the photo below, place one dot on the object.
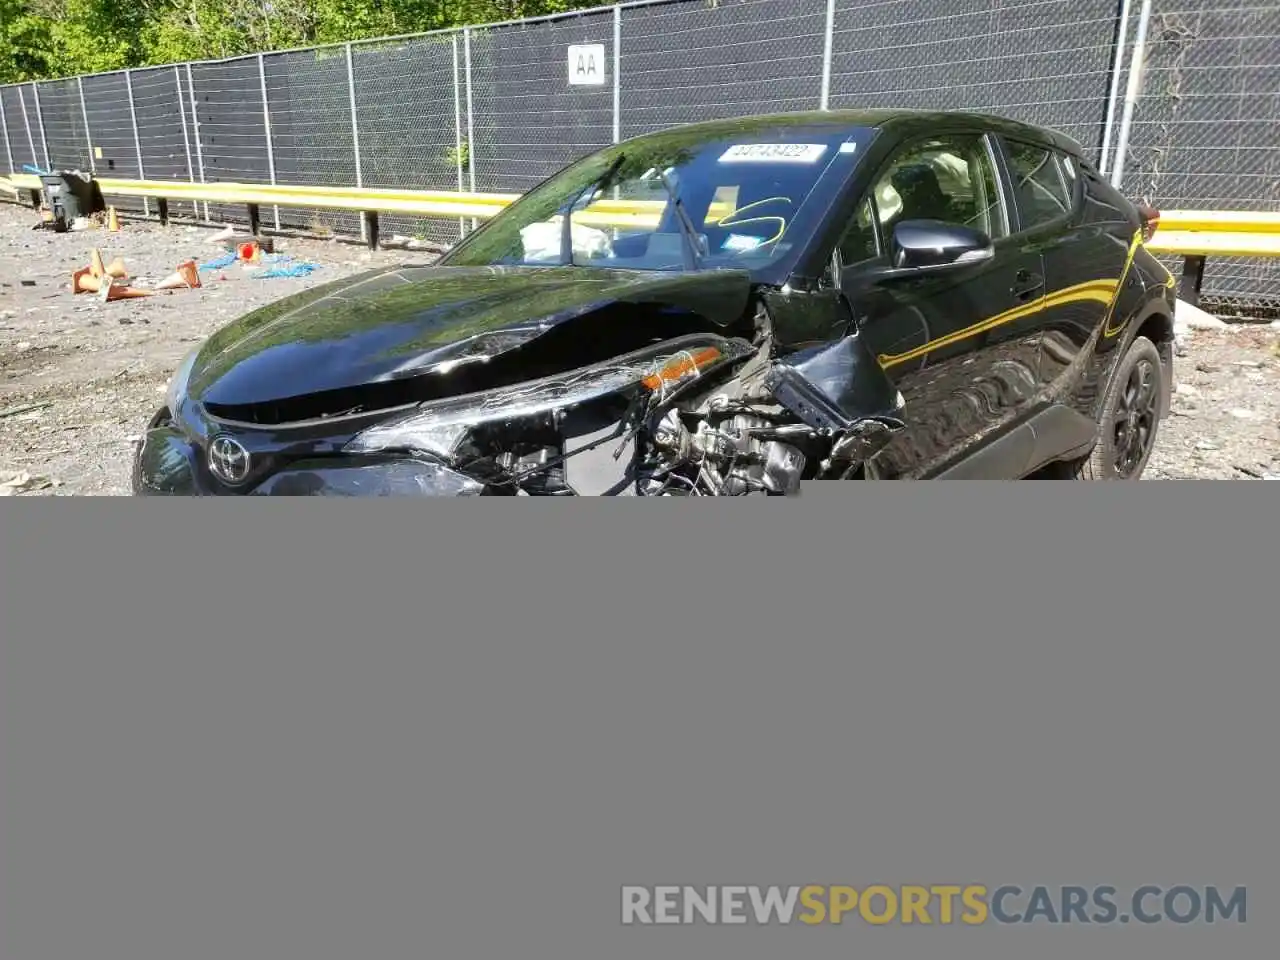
(440, 427)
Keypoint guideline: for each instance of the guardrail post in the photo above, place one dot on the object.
(137, 143)
(84, 115)
(4, 128)
(266, 126)
(195, 133)
(44, 142)
(355, 140)
(186, 142)
(828, 42)
(457, 129)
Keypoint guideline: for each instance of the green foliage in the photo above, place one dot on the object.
(44, 39)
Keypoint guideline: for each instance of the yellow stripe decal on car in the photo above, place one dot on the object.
(1102, 291)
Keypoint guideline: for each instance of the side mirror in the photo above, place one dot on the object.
(924, 244)
(927, 246)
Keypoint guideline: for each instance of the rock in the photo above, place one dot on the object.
(1187, 317)
(1186, 390)
(24, 346)
(1242, 414)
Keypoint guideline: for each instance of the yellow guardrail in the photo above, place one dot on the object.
(1195, 234)
(365, 200)
(1199, 234)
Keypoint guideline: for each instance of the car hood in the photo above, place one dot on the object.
(392, 325)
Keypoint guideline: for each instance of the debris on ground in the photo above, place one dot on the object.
(20, 481)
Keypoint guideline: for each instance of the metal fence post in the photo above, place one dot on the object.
(457, 130)
(471, 139)
(4, 128)
(266, 126)
(186, 141)
(617, 73)
(355, 134)
(26, 122)
(195, 134)
(88, 136)
(44, 142)
(137, 143)
(1136, 65)
(1117, 66)
(828, 42)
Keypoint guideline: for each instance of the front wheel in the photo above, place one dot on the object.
(1130, 418)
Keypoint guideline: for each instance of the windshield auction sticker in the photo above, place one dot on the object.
(774, 153)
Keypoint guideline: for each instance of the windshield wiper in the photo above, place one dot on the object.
(692, 256)
(566, 224)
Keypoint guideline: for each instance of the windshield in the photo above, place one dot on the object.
(674, 200)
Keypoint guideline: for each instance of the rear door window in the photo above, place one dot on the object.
(1039, 183)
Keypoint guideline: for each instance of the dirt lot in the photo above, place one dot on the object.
(80, 378)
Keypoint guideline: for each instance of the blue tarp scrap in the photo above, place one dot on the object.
(285, 267)
(219, 262)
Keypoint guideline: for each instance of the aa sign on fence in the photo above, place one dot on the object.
(586, 65)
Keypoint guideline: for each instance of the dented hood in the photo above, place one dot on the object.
(404, 322)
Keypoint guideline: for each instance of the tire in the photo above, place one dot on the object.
(1129, 420)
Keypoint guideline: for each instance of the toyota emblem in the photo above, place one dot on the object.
(228, 460)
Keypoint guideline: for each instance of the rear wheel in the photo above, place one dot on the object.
(1130, 419)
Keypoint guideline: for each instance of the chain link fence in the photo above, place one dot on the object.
(492, 108)
(1206, 130)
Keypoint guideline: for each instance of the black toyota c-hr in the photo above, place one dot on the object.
(719, 309)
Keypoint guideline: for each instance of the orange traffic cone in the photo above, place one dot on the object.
(187, 275)
(83, 281)
(120, 291)
(250, 252)
(113, 220)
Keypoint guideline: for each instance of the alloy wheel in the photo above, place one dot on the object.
(1134, 421)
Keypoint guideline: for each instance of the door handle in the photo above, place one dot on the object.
(1026, 285)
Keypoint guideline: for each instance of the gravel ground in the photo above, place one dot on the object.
(81, 377)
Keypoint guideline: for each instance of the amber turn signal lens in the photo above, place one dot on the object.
(680, 367)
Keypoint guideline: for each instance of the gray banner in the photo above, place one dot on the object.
(459, 729)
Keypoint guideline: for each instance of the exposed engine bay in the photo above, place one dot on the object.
(697, 415)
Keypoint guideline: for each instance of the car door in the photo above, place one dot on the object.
(961, 345)
(1085, 257)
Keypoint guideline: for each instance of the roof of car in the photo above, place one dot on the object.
(903, 122)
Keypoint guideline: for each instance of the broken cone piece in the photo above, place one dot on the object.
(120, 291)
(223, 235)
(250, 252)
(187, 275)
(116, 268)
(96, 266)
(83, 281)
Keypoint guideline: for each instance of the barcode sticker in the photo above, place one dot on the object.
(774, 153)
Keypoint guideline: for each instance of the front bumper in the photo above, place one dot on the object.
(168, 464)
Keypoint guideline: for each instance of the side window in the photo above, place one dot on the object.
(1042, 190)
(859, 243)
(949, 178)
